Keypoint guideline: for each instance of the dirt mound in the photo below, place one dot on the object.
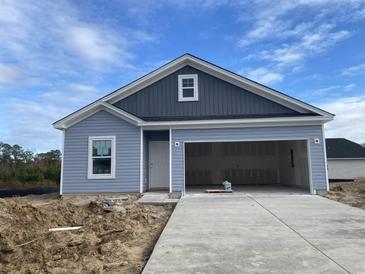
(337, 188)
(113, 241)
(351, 193)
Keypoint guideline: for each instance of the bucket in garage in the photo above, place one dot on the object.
(227, 186)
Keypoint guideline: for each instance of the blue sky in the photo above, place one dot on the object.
(57, 56)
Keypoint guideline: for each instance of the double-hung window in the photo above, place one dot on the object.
(101, 157)
(188, 87)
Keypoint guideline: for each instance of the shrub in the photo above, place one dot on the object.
(53, 173)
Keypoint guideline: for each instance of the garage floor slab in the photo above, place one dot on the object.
(261, 233)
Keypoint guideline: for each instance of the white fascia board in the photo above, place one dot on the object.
(219, 73)
(253, 122)
(248, 122)
(203, 66)
(92, 109)
(257, 88)
(339, 159)
(60, 124)
(146, 80)
(125, 91)
(121, 113)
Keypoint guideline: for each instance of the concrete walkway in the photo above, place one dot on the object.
(158, 198)
(261, 233)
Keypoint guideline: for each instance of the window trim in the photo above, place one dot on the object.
(90, 174)
(195, 88)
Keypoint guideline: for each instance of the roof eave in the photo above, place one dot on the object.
(169, 68)
(308, 120)
(92, 109)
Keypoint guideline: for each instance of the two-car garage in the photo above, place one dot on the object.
(247, 163)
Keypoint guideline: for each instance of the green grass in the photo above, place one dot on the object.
(22, 185)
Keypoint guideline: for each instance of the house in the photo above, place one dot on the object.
(346, 159)
(192, 123)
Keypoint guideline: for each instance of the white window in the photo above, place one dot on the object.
(188, 87)
(101, 162)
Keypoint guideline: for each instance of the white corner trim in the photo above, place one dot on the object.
(141, 161)
(90, 174)
(195, 88)
(325, 158)
(311, 186)
(62, 159)
(170, 160)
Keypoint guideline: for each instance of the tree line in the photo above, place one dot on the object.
(22, 166)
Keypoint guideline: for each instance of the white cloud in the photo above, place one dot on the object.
(8, 73)
(62, 41)
(276, 19)
(286, 33)
(354, 70)
(51, 49)
(198, 3)
(94, 44)
(349, 87)
(265, 76)
(349, 120)
(310, 44)
(28, 124)
(81, 87)
(284, 56)
(324, 90)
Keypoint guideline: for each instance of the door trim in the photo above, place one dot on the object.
(141, 158)
(168, 186)
(170, 160)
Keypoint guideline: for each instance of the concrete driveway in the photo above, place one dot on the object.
(261, 233)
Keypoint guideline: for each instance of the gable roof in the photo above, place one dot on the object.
(343, 148)
(188, 59)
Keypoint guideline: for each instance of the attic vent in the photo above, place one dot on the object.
(188, 87)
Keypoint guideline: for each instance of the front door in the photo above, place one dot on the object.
(158, 164)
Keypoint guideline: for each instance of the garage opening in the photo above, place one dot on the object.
(257, 163)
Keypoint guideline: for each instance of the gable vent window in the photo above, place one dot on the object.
(188, 87)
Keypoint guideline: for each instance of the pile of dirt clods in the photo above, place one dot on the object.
(117, 239)
(351, 193)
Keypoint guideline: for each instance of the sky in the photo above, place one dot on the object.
(58, 56)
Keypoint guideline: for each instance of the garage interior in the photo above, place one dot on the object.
(275, 163)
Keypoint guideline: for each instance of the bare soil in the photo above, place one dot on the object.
(117, 240)
(351, 193)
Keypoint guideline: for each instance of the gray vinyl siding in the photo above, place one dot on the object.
(217, 99)
(127, 172)
(318, 168)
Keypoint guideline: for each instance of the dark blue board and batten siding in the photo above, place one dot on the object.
(217, 99)
(317, 161)
(127, 170)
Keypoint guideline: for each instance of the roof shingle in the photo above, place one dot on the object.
(343, 148)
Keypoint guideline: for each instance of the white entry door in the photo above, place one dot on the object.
(158, 164)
